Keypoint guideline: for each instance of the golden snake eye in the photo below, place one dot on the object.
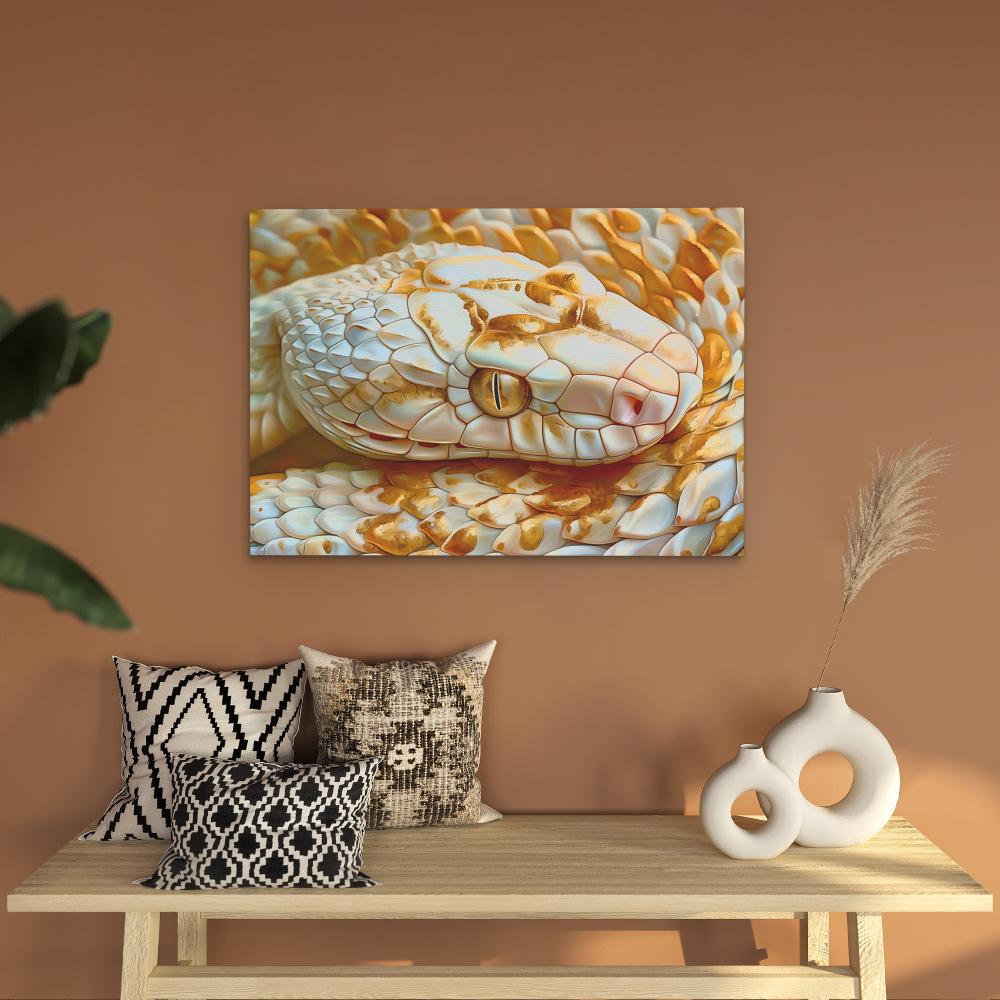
(499, 394)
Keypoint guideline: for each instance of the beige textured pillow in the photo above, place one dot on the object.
(422, 717)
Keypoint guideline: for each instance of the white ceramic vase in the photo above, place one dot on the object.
(748, 771)
(827, 723)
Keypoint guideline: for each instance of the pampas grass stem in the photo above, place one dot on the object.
(891, 518)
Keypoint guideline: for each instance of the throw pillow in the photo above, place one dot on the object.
(237, 714)
(422, 717)
(251, 825)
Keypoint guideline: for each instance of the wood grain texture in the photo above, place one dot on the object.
(139, 953)
(558, 913)
(600, 867)
(815, 939)
(865, 946)
(192, 939)
(502, 983)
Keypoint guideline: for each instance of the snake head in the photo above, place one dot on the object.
(443, 352)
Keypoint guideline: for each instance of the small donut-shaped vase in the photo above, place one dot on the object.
(826, 723)
(750, 770)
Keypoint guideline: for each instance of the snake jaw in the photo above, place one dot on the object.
(458, 352)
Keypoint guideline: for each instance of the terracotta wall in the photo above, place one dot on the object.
(862, 140)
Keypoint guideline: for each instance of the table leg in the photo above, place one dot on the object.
(139, 953)
(864, 942)
(192, 939)
(814, 944)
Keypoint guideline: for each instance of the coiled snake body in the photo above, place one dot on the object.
(497, 382)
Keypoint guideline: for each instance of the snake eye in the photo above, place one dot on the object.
(499, 394)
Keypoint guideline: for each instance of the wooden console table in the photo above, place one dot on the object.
(528, 867)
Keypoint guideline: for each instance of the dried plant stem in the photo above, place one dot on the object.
(833, 642)
(891, 518)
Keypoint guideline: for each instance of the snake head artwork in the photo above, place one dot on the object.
(496, 382)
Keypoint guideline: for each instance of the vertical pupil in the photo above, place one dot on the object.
(499, 393)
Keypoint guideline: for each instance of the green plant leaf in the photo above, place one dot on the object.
(28, 563)
(92, 330)
(6, 315)
(37, 354)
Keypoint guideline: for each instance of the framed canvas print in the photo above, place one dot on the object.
(496, 382)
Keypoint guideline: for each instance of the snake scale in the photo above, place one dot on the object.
(496, 381)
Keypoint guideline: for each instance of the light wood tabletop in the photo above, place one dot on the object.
(524, 867)
(601, 867)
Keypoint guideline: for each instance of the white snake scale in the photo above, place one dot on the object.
(496, 381)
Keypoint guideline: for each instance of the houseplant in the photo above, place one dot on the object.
(42, 352)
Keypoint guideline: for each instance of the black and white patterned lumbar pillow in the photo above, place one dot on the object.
(236, 714)
(244, 825)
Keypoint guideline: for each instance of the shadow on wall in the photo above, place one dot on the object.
(983, 966)
(493, 942)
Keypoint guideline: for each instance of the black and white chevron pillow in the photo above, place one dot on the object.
(249, 825)
(233, 714)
